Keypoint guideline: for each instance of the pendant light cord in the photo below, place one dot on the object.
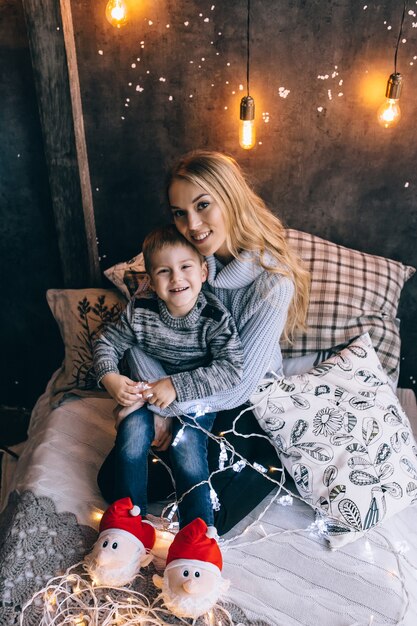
(399, 36)
(248, 46)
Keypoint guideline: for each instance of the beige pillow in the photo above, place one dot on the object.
(129, 276)
(81, 315)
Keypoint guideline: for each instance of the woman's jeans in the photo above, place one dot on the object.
(128, 464)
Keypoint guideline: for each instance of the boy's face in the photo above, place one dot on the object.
(177, 276)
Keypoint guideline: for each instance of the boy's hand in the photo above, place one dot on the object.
(124, 390)
(161, 393)
(163, 432)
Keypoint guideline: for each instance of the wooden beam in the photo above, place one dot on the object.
(54, 61)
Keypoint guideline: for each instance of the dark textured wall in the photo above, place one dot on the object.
(169, 81)
(30, 347)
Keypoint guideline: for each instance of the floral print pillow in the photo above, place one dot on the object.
(344, 438)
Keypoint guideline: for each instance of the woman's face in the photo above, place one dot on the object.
(198, 218)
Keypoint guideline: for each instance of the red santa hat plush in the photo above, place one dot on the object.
(192, 581)
(195, 544)
(122, 546)
(125, 517)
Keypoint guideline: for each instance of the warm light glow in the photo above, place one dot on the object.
(97, 515)
(247, 135)
(50, 599)
(116, 13)
(369, 88)
(389, 113)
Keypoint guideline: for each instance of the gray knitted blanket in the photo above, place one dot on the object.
(37, 543)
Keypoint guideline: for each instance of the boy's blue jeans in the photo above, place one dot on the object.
(188, 459)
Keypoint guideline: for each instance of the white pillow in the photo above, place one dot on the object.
(342, 435)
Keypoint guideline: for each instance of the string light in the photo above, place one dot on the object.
(178, 437)
(247, 134)
(172, 512)
(260, 468)
(100, 605)
(215, 502)
(239, 465)
(389, 113)
(223, 456)
(116, 13)
(97, 515)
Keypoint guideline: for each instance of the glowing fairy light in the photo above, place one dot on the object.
(239, 465)
(286, 500)
(215, 502)
(97, 515)
(200, 410)
(172, 512)
(260, 468)
(223, 456)
(210, 618)
(178, 437)
(318, 527)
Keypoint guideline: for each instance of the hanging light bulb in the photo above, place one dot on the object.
(247, 133)
(116, 13)
(389, 113)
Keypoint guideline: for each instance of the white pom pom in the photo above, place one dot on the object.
(211, 533)
(135, 511)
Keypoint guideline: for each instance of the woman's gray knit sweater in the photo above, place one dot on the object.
(258, 301)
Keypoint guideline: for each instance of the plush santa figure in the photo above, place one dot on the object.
(122, 547)
(192, 581)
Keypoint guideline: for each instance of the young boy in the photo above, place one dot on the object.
(194, 337)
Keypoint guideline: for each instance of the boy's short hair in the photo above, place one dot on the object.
(162, 237)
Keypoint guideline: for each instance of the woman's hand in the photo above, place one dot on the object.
(161, 393)
(163, 432)
(121, 388)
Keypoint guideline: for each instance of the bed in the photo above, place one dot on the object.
(281, 567)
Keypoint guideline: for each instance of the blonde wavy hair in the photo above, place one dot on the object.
(250, 224)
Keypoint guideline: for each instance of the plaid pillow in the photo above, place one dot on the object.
(351, 293)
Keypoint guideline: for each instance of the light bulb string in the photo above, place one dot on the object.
(193, 423)
(248, 48)
(399, 36)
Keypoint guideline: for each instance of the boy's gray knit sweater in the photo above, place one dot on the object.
(258, 301)
(201, 351)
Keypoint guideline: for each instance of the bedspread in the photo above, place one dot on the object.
(282, 572)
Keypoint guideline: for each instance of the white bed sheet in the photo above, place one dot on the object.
(289, 578)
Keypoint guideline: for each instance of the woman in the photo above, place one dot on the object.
(265, 287)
